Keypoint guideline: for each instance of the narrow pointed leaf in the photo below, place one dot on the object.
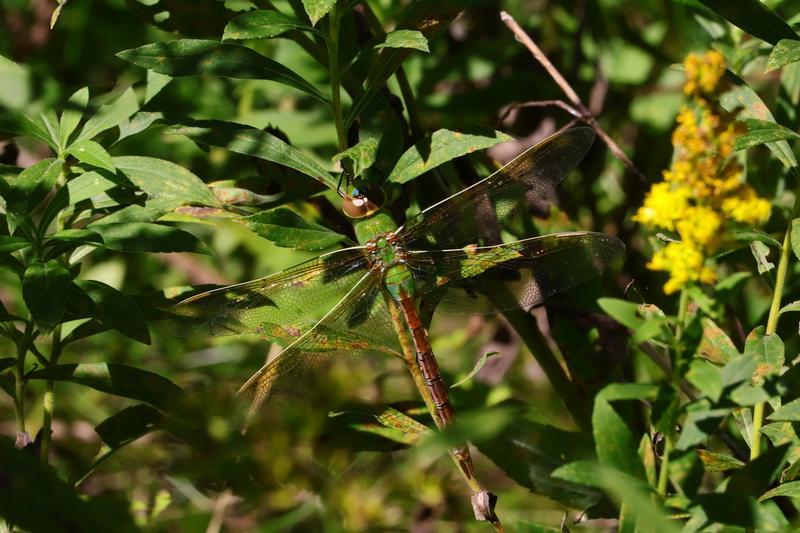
(787, 51)
(116, 310)
(287, 229)
(165, 180)
(444, 145)
(12, 244)
(45, 288)
(198, 57)
(30, 188)
(763, 132)
(718, 462)
(253, 142)
(262, 24)
(72, 115)
(140, 237)
(119, 380)
(753, 17)
(91, 153)
(110, 115)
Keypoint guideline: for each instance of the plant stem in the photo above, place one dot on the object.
(48, 402)
(19, 389)
(772, 326)
(677, 365)
(333, 66)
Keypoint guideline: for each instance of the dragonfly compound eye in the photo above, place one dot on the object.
(363, 203)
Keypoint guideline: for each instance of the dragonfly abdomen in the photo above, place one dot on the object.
(432, 375)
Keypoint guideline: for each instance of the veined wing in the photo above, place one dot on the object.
(359, 324)
(279, 307)
(521, 274)
(467, 215)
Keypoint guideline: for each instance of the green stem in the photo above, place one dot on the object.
(48, 402)
(19, 389)
(333, 66)
(772, 326)
(411, 104)
(663, 474)
(677, 365)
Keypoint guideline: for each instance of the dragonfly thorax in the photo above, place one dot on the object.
(389, 257)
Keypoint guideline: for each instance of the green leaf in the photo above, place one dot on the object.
(528, 453)
(767, 350)
(715, 345)
(12, 244)
(45, 289)
(253, 142)
(91, 153)
(757, 475)
(129, 424)
(362, 155)
(706, 377)
(155, 82)
(110, 115)
(755, 235)
(718, 462)
(287, 229)
(316, 9)
(790, 489)
(430, 17)
(72, 115)
(262, 24)
(791, 307)
(786, 51)
(165, 181)
(753, 17)
(789, 412)
(796, 237)
(119, 380)
(475, 369)
(198, 57)
(742, 96)
(634, 494)
(21, 124)
(698, 425)
(140, 237)
(26, 478)
(615, 444)
(123, 428)
(760, 253)
(86, 186)
(762, 132)
(33, 184)
(405, 39)
(116, 310)
(626, 313)
(444, 145)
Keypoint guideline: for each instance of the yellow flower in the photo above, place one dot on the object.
(684, 262)
(663, 206)
(702, 192)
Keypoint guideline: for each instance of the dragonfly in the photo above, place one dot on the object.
(367, 298)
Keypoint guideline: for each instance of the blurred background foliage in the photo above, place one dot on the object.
(317, 464)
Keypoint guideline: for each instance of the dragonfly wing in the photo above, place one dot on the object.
(463, 217)
(278, 307)
(359, 324)
(521, 274)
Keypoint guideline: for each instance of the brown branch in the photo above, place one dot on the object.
(572, 96)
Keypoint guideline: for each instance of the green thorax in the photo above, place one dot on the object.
(388, 257)
(371, 227)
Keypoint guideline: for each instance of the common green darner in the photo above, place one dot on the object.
(371, 293)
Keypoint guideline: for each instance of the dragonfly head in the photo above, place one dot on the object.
(362, 202)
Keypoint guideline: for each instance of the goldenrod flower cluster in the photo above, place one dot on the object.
(702, 193)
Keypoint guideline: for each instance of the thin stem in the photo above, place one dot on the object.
(772, 326)
(48, 402)
(573, 97)
(663, 474)
(333, 66)
(411, 104)
(19, 389)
